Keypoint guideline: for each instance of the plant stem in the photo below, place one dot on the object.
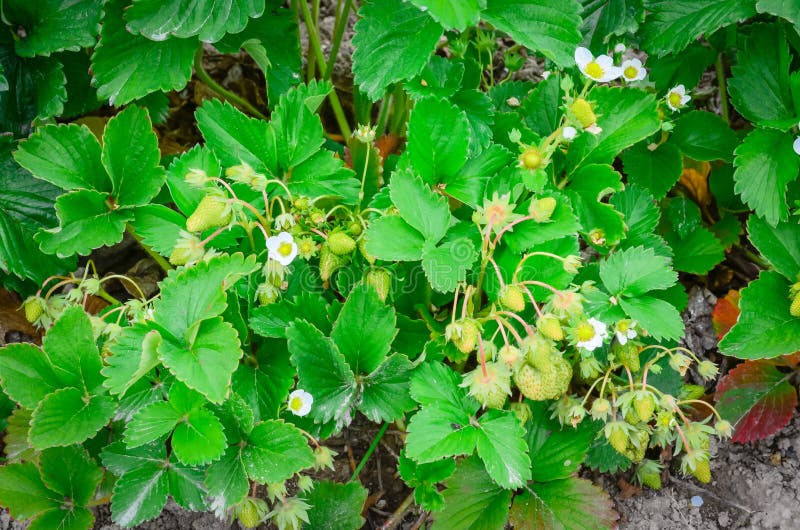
(398, 514)
(158, 258)
(107, 297)
(333, 97)
(723, 89)
(219, 89)
(338, 33)
(369, 452)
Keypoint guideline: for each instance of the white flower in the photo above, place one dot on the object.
(569, 133)
(282, 248)
(600, 69)
(625, 330)
(598, 332)
(546, 74)
(594, 129)
(632, 70)
(796, 145)
(620, 48)
(677, 97)
(300, 402)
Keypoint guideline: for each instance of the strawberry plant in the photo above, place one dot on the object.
(486, 264)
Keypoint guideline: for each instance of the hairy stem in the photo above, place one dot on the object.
(369, 452)
(219, 89)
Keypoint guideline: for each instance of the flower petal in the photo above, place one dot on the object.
(583, 57)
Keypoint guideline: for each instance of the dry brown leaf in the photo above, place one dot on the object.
(695, 179)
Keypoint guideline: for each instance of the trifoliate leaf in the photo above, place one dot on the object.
(324, 174)
(446, 265)
(636, 271)
(439, 136)
(661, 319)
(335, 506)
(198, 438)
(423, 209)
(53, 25)
(671, 25)
(168, 63)
(393, 42)
(67, 156)
(503, 450)
(423, 478)
(323, 372)
(208, 19)
(472, 500)
(556, 451)
(759, 87)
(779, 244)
(587, 188)
(765, 164)
(567, 503)
(69, 416)
(765, 328)
(364, 330)
(626, 115)
(757, 399)
(70, 472)
(275, 451)
(384, 393)
(704, 136)
(132, 158)
(298, 130)
(551, 28)
(390, 238)
(657, 170)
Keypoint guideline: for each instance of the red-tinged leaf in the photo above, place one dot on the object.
(725, 314)
(757, 398)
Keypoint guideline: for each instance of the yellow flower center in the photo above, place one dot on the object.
(584, 332)
(675, 99)
(306, 247)
(531, 158)
(594, 70)
(296, 403)
(285, 249)
(630, 72)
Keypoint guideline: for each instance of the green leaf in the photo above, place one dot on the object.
(364, 330)
(53, 25)
(186, 485)
(472, 500)
(298, 130)
(779, 244)
(696, 253)
(626, 115)
(765, 328)
(235, 138)
(168, 64)
(393, 41)
(159, 227)
(672, 24)
(661, 319)
(781, 8)
(27, 374)
(704, 136)
(131, 157)
(528, 234)
(503, 450)
(453, 16)
(469, 183)
(151, 423)
(198, 438)
(23, 493)
(140, 494)
(685, 68)
(423, 478)
(570, 504)
(64, 519)
(549, 27)
(68, 416)
(480, 112)
(587, 188)
(657, 170)
(446, 265)
(226, 479)
(71, 347)
(133, 354)
(273, 319)
(765, 165)
(209, 19)
(759, 87)
(187, 197)
(439, 136)
(324, 174)
(603, 19)
(422, 208)
(390, 238)
(207, 363)
(384, 394)
(323, 372)
(67, 156)
(441, 78)
(636, 271)
(606, 459)
(275, 451)
(556, 451)
(335, 506)
(85, 223)
(71, 472)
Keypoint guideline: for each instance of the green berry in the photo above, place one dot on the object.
(511, 297)
(212, 212)
(341, 244)
(380, 280)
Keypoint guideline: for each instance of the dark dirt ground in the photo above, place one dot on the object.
(754, 486)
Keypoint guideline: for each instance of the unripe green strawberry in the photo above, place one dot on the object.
(529, 381)
(618, 438)
(511, 356)
(464, 334)
(627, 355)
(531, 158)
(511, 297)
(213, 211)
(651, 480)
(702, 471)
(34, 307)
(341, 244)
(489, 384)
(328, 263)
(549, 326)
(541, 210)
(522, 410)
(301, 203)
(355, 228)
(583, 111)
(556, 380)
(380, 280)
(601, 407)
(251, 512)
(644, 404)
(794, 308)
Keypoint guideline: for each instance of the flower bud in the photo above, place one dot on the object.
(380, 280)
(707, 370)
(541, 210)
(723, 428)
(582, 110)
